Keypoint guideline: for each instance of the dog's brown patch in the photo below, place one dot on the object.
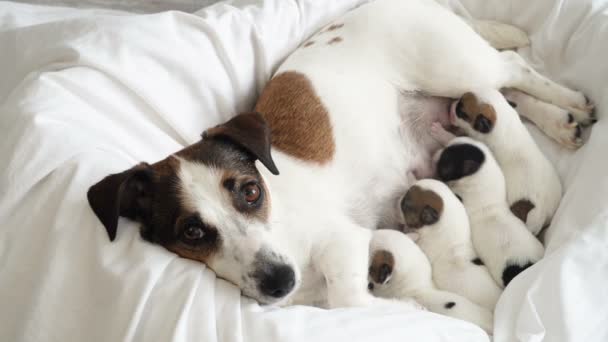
(521, 209)
(481, 116)
(297, 118)
(334, 40)
(421, 207)
(382, 266)
(309, 43)
(334, 27)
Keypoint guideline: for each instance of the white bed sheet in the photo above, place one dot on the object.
(87, 92)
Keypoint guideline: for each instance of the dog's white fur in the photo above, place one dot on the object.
(529, 175)
(448, 245)
(411, 277)
(499, 237)
(554, 121)
(321, 215)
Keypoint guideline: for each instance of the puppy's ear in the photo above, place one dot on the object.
(250, 132)
(512, 104)
(127, 194)
(483, 124)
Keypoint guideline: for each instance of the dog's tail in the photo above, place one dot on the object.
(500, 35)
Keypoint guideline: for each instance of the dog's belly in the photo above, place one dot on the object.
(377, 132)
(345, 105)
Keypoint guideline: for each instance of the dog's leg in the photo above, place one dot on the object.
(554, 121)
(453, 305)
(499, 35)
(344, 261)
(523, 77)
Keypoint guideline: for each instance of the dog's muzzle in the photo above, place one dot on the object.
(274, 277)
(277, 281)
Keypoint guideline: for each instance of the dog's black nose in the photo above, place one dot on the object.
(278, 281)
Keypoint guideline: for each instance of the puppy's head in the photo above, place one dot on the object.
(381, 268)
(428, 203)
(462, 158)
(208, 203)
(473, 115)
(421, 206)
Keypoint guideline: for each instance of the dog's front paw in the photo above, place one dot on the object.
(583, 112)
(568, 132)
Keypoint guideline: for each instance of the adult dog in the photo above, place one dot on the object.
(345, 118)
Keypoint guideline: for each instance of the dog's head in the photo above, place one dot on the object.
(428, 203)
(421, 206)
(470, 170)
(461, 158)
(474, 114)
(208, 203)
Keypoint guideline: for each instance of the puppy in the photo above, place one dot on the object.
(399, 269)
(438, 222)
(501, 239)
(534, 189)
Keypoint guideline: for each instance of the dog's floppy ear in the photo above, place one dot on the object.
(483, 124)
(127, 194)
(250, 132)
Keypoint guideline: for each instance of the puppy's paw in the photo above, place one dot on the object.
(437, 129)
(440, 134)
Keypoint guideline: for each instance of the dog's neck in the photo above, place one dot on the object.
(450, 233)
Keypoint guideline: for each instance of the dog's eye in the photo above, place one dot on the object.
(251, 193)
(193, 233)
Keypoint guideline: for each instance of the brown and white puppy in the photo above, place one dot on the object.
(534, 189)
(437, 220)
(502, 241)
(343, 146)
(399, 269)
